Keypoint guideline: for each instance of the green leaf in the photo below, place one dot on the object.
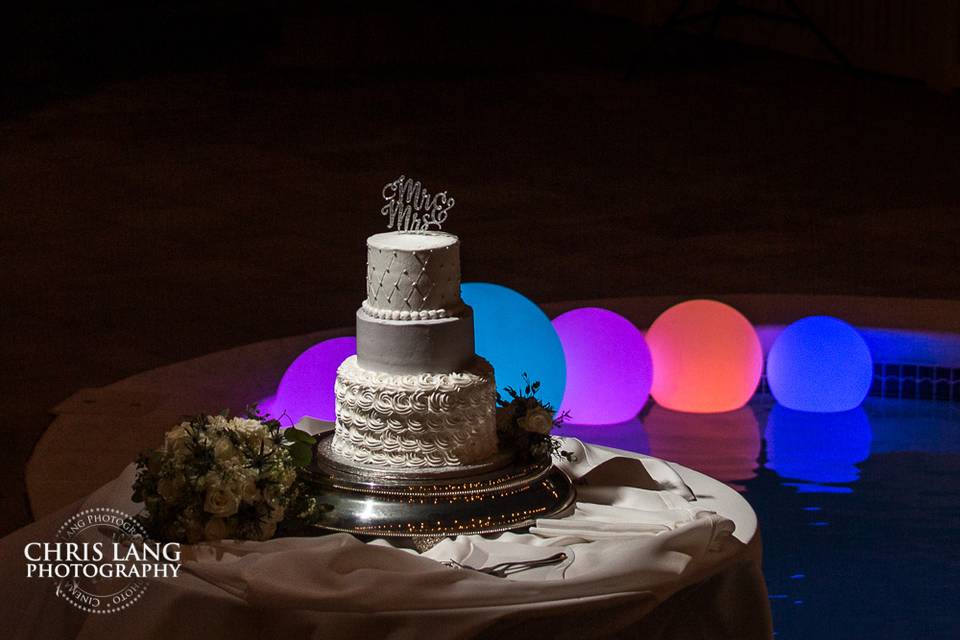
(301, 453)
(294, 435)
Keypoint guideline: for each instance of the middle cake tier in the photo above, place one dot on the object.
(403, 346)
(424, 420)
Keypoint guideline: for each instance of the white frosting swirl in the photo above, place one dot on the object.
(418, 420)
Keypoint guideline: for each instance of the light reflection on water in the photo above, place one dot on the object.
(629, 435)
(722, 445)
(859, 511)
(817, 447)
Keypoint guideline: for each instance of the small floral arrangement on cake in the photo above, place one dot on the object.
(526, 422)
(219, 477)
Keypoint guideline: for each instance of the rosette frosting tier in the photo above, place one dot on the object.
(416, 395)
(415, 420)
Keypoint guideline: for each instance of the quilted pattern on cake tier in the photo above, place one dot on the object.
(412, 281)
(421, 420)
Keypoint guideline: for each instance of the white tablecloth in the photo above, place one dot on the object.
(649, 554)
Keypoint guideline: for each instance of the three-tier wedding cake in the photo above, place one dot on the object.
(416, 396)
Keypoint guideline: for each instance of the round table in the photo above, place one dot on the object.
(98, 432)
(694, 580)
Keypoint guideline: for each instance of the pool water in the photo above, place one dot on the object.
(859, 511)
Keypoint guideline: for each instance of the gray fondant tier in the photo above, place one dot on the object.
(420, 346)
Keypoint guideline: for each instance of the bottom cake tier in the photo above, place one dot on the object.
(414, 421)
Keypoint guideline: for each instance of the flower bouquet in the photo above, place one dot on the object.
(218, 477)
(526, 422)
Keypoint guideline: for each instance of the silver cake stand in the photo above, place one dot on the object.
(502, 494)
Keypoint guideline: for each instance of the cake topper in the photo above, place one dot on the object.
(410, 207)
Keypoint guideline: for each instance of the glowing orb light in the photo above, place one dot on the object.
(515, 336)
(306, 388)
(609, 370)
(817, 447)
(706, 358)
(722, 445)
(819, 364)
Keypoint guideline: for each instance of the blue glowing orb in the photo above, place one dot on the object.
(819, 364)
(817, 447)
(609, 370)
(515, 336)
(306, 388)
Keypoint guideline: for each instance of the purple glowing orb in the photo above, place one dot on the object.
(609, 370)
(306, 388)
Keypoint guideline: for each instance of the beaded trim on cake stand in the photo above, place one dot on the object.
(427, 507)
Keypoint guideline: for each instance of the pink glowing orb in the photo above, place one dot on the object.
(706, 358)
(609, 370)
(306, 388)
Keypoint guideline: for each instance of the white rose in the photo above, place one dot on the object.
(178, 439)
(247, 427)
(537, 420)
(247, 424)
(254, 434)
(216, 529)
(221, 500)
(217, 422)
(224, 450)
(271, 495)
(249, 491)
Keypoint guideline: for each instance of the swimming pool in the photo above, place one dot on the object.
(859, 511)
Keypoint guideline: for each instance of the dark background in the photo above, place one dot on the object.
(177, 180)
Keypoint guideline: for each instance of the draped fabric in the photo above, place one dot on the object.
(651, 551)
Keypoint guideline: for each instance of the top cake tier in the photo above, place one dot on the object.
(413, 276)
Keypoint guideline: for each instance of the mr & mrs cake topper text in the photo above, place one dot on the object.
(410, 207)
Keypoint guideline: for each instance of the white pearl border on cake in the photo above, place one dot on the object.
(409, 315)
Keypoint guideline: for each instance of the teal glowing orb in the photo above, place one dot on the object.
(819, 364)
(516, 337)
